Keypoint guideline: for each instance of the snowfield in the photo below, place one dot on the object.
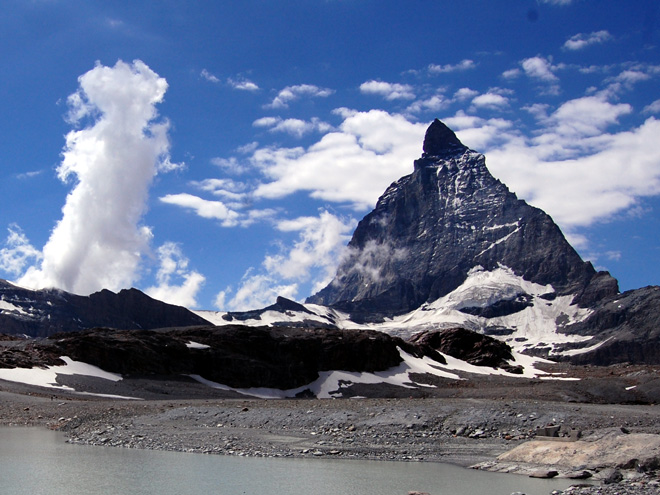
(535, 326)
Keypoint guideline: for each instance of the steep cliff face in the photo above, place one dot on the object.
(430, 228)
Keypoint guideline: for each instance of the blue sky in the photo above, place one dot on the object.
(217, 154)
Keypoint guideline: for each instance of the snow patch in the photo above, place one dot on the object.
(11, 308)
(197, 345)
(47, 377)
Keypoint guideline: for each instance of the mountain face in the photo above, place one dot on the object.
(431, 228)
(39, 313)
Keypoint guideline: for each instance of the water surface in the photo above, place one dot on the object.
(36, 461)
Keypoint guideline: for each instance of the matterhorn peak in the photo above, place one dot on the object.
(430, 228)
(441, 141)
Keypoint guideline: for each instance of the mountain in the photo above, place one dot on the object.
(450, 246)
(450, 275)
(432, 227)
(39, 313)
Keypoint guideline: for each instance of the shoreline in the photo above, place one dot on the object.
(463, 431)
(459, 431)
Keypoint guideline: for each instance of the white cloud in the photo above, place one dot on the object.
(255, 291)
(389, 91)
(465, 64)
(294, 127)
(266, 122)
(174, 267)
(18, 253)
(99, 241)
(587, 116)
(582, 40)
(542, 70)
(29, 175)
(231, 165)
(538, 110)
(539, 68)
(321, 241)
(604, 176)
(209, 77)
(465, 94)
(480, 134)
(216, 210)
(313, 257)
(631, 77)
(433, 104)
(490, 100)
(292, 93)
(352, 165)
(511, 73)
(557, 2)
(243, 84)
(652, 107)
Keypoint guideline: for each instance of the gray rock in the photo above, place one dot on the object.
(431, 227)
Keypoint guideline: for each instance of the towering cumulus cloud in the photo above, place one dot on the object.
(112, 158)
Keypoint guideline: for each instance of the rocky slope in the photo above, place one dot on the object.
(242, 357)
(39, 313)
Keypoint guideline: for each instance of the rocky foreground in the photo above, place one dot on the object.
(465, 431)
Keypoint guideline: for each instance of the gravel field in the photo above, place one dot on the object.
(463, 431)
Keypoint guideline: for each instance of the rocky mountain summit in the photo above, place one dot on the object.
(430, 228)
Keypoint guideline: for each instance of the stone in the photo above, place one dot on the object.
(544, 474)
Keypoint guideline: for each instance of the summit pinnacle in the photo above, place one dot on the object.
(440, 140)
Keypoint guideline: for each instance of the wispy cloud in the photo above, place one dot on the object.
(652, 107)
(209, 77)
(490, 100)
(216, 210)
(389, 91)
(542, 70)
(465, 64)
(313, 256)
(29, 175)
(582, 40)
(557, 2)
(18, 253)
(292, 93)
(236, 83)
(176, 283)
(294, 127)
(243, 84)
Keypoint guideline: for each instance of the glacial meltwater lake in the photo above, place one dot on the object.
(36, 461)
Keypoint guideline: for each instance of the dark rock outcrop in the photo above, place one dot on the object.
(237, 356)
(246, 357)
(472, 347)
(431, 227)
